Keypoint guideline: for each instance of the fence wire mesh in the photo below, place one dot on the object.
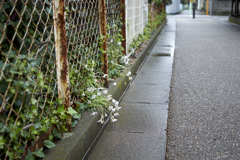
(28, 88)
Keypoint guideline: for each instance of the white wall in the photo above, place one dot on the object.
(137, 18)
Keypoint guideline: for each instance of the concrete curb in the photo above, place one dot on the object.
(87, 132)
(234, 20)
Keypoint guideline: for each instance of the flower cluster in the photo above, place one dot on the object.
(129, 75)
(111, 111)
(125, 60)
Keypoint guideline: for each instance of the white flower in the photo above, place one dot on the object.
(99, 93)
(118, 108)
(119, 43)
(101, 120)
(129, 73)
(83, 94)
(111, 41)
(110, 108)
(114, 83)
(94, 113)
(93, 96)
(91, 89)
(105, 91)
(125, 59)
(109, 97)
(130, 78)
(114, 109)
(114, 120)
(89, 102)
(116, 114)
(106, 114)
(114, 101)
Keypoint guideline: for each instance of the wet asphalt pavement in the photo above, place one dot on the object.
(204, 110)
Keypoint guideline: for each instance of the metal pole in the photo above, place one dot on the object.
(123, 19)
(61, 52)
(103, 31)
(207, 4)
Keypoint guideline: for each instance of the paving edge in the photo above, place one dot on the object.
(234, 20)
(86, 134)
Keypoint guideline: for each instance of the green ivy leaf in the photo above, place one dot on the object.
(29, 156)
(60, 109)
(49, 144)
(2, 142)
(34, 101)
(39, 153)
(71, 111)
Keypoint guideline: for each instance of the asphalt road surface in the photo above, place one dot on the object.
(204, 111)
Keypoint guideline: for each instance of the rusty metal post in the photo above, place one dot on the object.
(123, 18)
(103, 32)
(61, 52)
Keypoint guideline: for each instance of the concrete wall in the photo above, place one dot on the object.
(137, 18)
(217, 7)
(221, 7)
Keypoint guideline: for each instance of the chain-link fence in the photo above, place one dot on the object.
(56, 57)
(27, 73)
(29, 104)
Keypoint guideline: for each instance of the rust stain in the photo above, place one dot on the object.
(123, 16)
(63, 58)
(103, 30)
(61, 52)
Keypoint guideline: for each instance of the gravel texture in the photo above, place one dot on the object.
(204, 111)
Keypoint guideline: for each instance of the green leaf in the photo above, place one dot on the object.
(71, 111)
(29, 156)
(39, 153)
(34, 101)
(2, 142)
(60, 109)
(49, 144)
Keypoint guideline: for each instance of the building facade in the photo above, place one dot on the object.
(216, 7)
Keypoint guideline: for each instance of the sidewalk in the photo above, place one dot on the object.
(140, 133)
(204, 109)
